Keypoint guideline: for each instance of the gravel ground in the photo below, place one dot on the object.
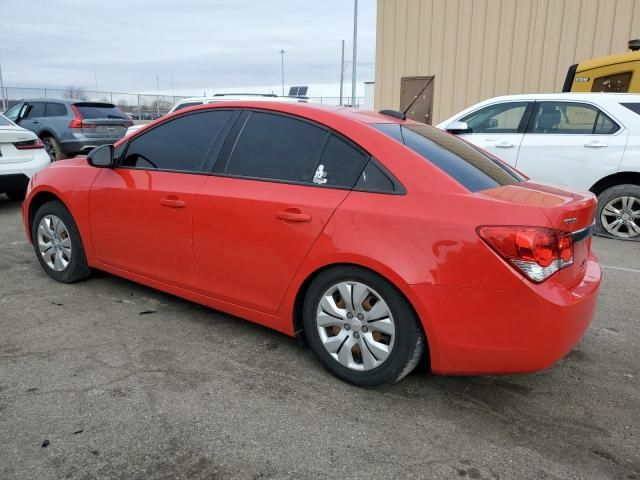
(120, 381)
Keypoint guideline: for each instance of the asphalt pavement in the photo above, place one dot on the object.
(109, 379)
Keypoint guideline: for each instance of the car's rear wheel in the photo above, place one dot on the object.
(360, 327)
(57, 243)
(619, 212)
(53, 148)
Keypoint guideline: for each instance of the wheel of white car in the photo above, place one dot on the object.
(619, 212)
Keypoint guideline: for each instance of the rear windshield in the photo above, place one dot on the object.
(100, 110)
(468, 165)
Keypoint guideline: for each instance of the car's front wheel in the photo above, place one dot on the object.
(619, 212)
(57, 243)
(360, 327)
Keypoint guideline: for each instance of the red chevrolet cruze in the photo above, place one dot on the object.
(380, 239)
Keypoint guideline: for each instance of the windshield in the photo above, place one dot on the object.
(465, 163)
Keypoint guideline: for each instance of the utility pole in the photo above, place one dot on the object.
(282, 52)
(342, 73)
(355, 52)
(4, 92)
(158, 97)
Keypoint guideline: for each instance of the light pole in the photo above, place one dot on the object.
(282, 52)
(355, 52)
(342, 74)
(158, 97)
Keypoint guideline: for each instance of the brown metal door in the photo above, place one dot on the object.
(417, 94)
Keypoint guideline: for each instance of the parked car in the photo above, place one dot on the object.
(70, 127)
(588, 141)
(378, 238)
(223, 97)
(22, 154)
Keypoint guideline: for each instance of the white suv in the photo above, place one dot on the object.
(587, 141)
(22, 154)
(224, 97)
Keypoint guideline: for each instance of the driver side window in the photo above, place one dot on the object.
(181, 144)
(497, 118)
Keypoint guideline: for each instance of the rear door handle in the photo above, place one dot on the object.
(595, 144)
(504, 145)
(293, 215)
(172, 203)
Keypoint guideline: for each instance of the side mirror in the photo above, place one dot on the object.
(458, 127)
(101, 156)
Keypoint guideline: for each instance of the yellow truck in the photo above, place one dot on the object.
(615, 73)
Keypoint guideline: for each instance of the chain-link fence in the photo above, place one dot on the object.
(139, 106)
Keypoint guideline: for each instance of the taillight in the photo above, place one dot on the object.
(78, 121)
(537, 252)
(29, 144)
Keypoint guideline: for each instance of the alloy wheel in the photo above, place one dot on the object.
(620, 217)
(355, 325)
(54, 243)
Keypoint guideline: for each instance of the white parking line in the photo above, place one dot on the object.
(634, 270)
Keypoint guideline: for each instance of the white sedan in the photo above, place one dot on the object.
(586, 141)
(22, 154)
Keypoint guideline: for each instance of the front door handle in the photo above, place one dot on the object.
(293, 215)
(172, 202)
(504, 145)
(595, 144)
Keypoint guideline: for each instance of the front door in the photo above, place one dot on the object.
(571, 144)
(499, 128)
(416, 97)
(272, 194)
(142, 211)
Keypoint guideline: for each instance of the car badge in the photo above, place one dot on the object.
(569, 221)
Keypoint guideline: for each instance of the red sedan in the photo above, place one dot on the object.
(379, 239)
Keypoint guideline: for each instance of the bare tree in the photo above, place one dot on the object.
(74, 93)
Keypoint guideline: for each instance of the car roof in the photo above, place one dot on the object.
(588, 96)
(300, 108)
(68, 101)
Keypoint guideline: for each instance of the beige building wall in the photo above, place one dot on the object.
(484, 48)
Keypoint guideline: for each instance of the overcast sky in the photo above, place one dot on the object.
(212, 45)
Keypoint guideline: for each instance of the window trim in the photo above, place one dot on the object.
(522, 126)
(598, 107)
(204, 166)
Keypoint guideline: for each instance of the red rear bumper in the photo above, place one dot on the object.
(484, 331)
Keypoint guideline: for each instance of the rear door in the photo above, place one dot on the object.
(499, 128)
(571, 143)
(102, 120)
(275, 186)
(142, 211)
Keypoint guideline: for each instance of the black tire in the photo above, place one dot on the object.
(53, 148)
(77, 268)
(409, 340)
(626, 231)
(17, 195)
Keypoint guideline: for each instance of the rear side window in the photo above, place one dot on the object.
(181, 144)
(341, 164)
(571, 118)
(55, 110)
(471, 167)
(374, 179)
(100, 110)
(275, 147)
(36, 110)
